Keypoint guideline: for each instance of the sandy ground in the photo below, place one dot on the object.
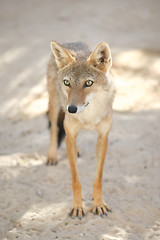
(35, 199)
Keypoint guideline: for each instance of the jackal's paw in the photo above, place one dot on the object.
(77, 212)
(101, 210)
(51, 161)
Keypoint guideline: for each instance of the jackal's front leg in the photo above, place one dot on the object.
(99, 206)
(77, 210)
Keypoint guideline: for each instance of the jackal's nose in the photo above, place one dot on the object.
(72, 109)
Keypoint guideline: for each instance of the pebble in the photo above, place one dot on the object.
(39, 192)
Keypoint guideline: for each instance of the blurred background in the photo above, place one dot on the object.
(131, 176)
(131, 28)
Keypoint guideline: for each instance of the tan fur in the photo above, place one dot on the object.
(75, 64)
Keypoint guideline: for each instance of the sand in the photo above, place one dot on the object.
(35, 199)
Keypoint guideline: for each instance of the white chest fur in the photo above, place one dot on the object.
(99, 107)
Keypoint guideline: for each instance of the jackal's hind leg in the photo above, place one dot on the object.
(52, 152)
(78, 151)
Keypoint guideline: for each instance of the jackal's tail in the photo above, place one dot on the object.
(61, 131)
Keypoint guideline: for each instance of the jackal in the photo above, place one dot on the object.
(81, 93)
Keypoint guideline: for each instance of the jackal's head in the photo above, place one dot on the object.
(81, 78)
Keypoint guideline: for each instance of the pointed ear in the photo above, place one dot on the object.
(62, 56)
(101, 57)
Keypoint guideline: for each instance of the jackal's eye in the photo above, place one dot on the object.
(88, 83)
(67, 83)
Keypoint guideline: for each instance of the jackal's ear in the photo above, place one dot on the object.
(62, 56)
(101, 57)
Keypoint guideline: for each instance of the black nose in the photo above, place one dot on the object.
(72, 109)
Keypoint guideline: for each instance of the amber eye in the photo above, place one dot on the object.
(67, 83)
(88, 83)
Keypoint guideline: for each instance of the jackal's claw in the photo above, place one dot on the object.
(77, 212)
(101, 210)
(51, 162)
